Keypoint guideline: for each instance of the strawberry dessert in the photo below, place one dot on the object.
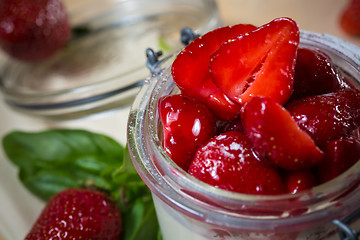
(33, 30)
(259, 114)
(252, 132)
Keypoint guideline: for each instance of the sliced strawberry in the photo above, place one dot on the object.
(227, 161)
(190, 70)
(260, 63)
(315, 74)
(296, 181)
(340, 155)
(350, 18)
(328, 116)
(187, 124)
(276, 135)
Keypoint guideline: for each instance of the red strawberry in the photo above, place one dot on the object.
(315, 74)
(33, 30)
(78, 214)
(260, 63)
(328, 116)
(341, 154)
(276, 135)
(297, 181)
(350, 18)
(187, 124)
(227, 161)
(190, 70)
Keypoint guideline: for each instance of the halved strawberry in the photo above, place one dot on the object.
(340, 155)
(187, 124)
(260, 63)
(227, 161)
(190, 70)
(315, 73)
(296, 181)
(328, 116)
(276, 135)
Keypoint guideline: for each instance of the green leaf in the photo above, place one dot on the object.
(62, 158)
(140, 221)
(126, 172)
(47, 182)
(53, 160)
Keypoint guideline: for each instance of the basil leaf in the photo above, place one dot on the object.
(73, 157)
(140, 221)
(126, 172)
(47, 182)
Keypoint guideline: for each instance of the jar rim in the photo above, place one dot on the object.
(172, 184)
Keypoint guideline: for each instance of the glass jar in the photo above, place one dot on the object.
(102, 66)
(190, 209)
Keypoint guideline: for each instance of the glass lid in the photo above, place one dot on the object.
(104, 63)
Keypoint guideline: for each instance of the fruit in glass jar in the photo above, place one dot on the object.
(277, 136)
(190, 70)
(33, 30)
(258, 63)
(328, 116)
(297, 181)
(315, 74)
(340, 155)
(229, 162)
(298, 112)
(187, 124)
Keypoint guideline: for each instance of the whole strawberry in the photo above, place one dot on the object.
(228, 161)
(78, 214)
(187, 124)
(33, 30)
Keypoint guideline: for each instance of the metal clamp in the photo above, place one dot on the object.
(187, 35)
(152, 59)
(345, 232)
